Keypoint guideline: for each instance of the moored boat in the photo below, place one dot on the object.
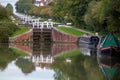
(109, 46)
(89, 40)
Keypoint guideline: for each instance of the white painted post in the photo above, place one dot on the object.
(51, 24)
(51, 60)
(42, 25)
(33, 25)
(47, 24)
(41, 56)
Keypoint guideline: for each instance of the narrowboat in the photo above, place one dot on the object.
(109, 46)
(89, 40)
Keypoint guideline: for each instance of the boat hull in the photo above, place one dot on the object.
(109, 51)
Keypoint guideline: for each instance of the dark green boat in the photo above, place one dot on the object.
(109, 46)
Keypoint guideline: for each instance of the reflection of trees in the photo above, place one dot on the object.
(25, 65)
(92, 69)
(81, 67)
(117, 76)
(6, 56)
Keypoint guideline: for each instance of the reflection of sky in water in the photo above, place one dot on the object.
(12, 72)
(5, 2)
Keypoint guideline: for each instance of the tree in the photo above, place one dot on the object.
(3, 13)
(70, 10)
(92, 15)
(104, 15)
(9, 8)
(6, 30)
(23, 6)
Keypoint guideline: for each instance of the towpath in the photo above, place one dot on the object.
(79, 29)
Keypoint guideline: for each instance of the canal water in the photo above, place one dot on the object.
(46, 61)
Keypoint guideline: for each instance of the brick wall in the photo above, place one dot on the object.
(58, 36)
(23, 37)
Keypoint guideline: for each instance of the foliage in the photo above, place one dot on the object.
(95, 15)
(89, 16)
(23, 6)
(6, 30)
(43, 11)
(27, 7)
(3, 13)
(103, 16)
(6, 26)
(70, 11)
(58, 10)
(9, 8)
(99, 15)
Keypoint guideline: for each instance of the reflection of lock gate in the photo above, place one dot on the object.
(43, 52)
(42, 59)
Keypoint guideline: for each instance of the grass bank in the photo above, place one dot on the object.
(18, 52)
(21, 30)
(70, 30)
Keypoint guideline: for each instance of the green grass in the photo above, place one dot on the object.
(71, 31)
(69, 54)
(21, 31)
(19, 52)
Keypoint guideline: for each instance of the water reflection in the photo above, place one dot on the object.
(62, 48)
(88, 51)
(110, 67)
(6, 56)
(36, 65)
(25, 65)
(44, 53)
(48, 61)
(81, 67)
(14, 66)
